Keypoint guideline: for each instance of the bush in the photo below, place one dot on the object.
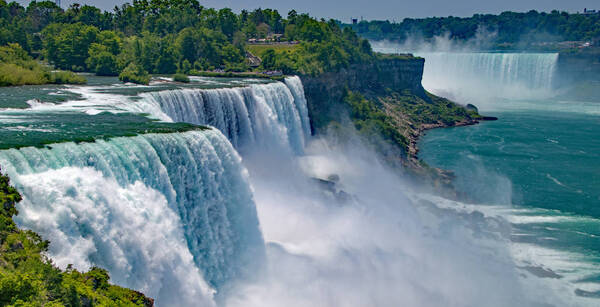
(12, 74)
(103, 63)
(66, 77)
(135, 74)
(18, 68)
(181, 78)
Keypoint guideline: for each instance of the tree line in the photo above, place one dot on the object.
(508, 28)
(169, 36)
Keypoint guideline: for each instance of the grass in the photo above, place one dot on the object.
(258, 50)
(16, 75)
(66, 77)
(398, 117)
(12, 74)
(18, 68)
(229, 74)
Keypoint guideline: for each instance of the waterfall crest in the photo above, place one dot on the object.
(498, 74)
(169, 214)
(272, 114)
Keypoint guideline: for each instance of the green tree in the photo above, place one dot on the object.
(67, 45)
(269, 59)
(101, 61)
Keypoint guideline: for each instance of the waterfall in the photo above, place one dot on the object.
(171, 215)
(503, 75)
(265, 115)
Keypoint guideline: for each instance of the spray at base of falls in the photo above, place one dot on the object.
(382, 246)
(456, 72)
(169, 214)
(173, 215)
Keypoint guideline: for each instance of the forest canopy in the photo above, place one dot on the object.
(508, 28)
(174, 36)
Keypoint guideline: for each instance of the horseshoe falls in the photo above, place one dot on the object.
(168, 214)
(476, 76)
(536, 165)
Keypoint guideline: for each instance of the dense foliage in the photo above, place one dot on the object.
(173, 36)
(28, 277)
(134, 73)
(371, 120)
(508, 28)
(181, 78)
(399, 117)
(18, 68)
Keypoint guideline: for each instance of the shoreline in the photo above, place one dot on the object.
(440, 178)
(413, 148)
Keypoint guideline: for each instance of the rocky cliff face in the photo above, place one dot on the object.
(325, 92)
(382, 96)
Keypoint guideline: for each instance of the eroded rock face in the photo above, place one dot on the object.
(324, 93)
(394, 85)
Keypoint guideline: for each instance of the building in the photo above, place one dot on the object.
(590, 12)
(57, 3)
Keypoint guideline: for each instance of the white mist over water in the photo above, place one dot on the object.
(91, 220)
(472, 76)
(174, 215)
(386, 246)
(481, 78)
(511, 83)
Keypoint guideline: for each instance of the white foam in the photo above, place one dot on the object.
(92, 220)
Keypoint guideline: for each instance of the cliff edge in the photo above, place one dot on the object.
(387, 104)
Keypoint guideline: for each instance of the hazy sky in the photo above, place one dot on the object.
(381, 9)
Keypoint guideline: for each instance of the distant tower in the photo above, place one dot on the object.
(57, 2)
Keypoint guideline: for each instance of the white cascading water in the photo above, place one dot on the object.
(171, 215)
(272, 114)
(501, 75)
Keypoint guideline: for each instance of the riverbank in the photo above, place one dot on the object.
(441, 178)
(19, 68)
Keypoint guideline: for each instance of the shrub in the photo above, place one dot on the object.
(181, 78)
(135, 74)
(66, 77)
(103, 63)
(12, 74)
(18, 68)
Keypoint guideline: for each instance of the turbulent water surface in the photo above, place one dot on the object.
(254, 211)
(538, 165)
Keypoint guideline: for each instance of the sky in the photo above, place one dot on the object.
(393, 10)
